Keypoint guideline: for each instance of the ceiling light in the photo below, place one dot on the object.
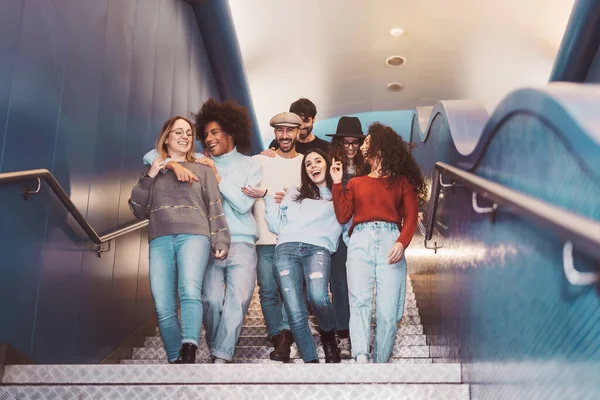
(395, 61)
(394, 86)
(396, 32)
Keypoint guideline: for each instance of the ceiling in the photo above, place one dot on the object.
(333, 51)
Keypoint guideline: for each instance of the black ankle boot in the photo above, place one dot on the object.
(330, 347)
(188, 353)
(282, 346)
(274, 339)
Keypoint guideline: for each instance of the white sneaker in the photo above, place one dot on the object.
(362, 359)
(345, 348)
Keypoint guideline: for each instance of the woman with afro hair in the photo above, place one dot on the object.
(224, 130)
(385, 207)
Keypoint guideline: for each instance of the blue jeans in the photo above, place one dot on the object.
(228, 288)
(367, 265)
(270, 299)
(178, 264)
(298, 264)
(338, 282)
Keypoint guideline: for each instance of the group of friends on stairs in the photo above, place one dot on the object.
(301, 219)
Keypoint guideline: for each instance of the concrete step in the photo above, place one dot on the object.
(228, 374)
(145, 353)
(401, 340)
(241, 391)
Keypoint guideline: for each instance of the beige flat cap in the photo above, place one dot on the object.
(286, 119)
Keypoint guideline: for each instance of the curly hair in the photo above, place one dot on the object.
(396, 159)
(338, 152)
(309, 189)
(233, 118)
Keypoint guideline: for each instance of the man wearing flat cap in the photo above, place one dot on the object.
(279, 173)
(307, 111)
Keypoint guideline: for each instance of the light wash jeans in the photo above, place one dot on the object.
(228, 288)
(178, 264)
(271, 304)
(367, 265)
(300, 264)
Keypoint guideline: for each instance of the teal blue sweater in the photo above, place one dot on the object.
(237, 171)
(310, 221)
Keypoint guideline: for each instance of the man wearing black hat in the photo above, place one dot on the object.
(345, 146)
(307, 111)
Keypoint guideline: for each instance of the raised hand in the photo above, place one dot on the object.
(156, 166)
(278, 196)
(209, 162)
(336, 170)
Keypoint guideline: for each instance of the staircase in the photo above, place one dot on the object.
(148, 376)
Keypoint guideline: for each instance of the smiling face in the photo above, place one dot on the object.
(286, 138)
(217, 141)
(306, 128)
(351, 145)
(179, 139)
(316, 168)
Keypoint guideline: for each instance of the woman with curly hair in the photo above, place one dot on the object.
(307, 233)
(224, 128)
(381, 202)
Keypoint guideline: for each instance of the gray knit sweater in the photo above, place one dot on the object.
(175, 207)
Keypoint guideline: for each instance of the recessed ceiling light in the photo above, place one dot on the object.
(395, 61)
(394, 86)
(396, 32)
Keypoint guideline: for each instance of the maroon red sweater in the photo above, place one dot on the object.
(370, 199)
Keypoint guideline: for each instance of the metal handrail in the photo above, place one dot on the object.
(39, 174)
(582, 232)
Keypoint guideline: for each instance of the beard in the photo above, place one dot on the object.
(303, 135)
(292, 145)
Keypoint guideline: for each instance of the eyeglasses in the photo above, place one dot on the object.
(180, 132)
(351, 144)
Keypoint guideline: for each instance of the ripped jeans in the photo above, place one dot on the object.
(299, 264)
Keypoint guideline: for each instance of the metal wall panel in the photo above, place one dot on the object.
(84, 89)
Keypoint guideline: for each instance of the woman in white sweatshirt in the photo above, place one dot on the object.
(307, 234)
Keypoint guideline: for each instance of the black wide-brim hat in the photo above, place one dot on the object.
(348, 127)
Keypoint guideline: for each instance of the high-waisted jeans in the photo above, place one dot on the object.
(178, 264)
(367, 266)
(298, 264)
(228, 288)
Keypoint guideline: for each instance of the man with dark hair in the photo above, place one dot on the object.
(224, 128)
(307, 110)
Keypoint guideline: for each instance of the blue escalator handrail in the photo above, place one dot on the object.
(570, 110)
(583, 232)
(22, 176)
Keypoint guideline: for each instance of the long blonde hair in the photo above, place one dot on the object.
(161, 147)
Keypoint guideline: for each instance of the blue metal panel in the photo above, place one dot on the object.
(580, 43)
(59, 291)
(91, 99)
(29, 143)
(181, 86)
(216, 24)
(164, 66)
(10, 27)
